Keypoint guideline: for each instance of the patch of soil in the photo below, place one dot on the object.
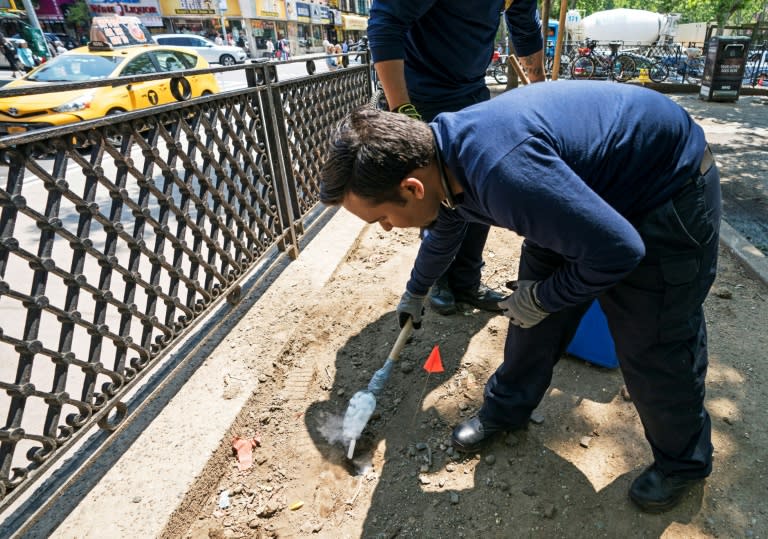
(565, 476)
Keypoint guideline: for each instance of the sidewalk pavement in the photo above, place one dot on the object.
(161, 461)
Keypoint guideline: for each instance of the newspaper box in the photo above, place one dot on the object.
(724, 68)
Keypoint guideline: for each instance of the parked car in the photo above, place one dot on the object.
(19, 114)
(67, 40)
(215, 54)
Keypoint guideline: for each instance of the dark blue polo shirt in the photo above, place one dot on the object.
(569, 166)
(447, 44)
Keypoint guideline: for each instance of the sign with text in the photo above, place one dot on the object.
(303, 12)
(111, 32)
(270, 9)
(181, 8)
(147, 11)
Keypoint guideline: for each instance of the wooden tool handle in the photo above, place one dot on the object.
(405, 332)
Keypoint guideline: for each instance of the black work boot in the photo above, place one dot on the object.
(482, 297)
(441, 298)
(474, 433)
(654, 492)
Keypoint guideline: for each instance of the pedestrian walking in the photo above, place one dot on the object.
(26, 58)
(285, 48)
(622, 205)
(330, 59)
(9, 51)
(337, 50)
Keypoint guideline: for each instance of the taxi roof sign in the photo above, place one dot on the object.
(108, 33)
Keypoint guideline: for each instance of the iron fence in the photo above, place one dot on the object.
(118, 235)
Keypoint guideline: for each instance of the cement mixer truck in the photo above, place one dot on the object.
(632, 26)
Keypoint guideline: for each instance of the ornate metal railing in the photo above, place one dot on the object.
(117, 235)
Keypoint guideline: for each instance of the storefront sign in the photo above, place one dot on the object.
(270, 9)
(290, 10)
(199, 7)
(335, 15)
(148, 11)
(48, 10)
(355, 22)
(316, 11)
(302, 12)
(248, 9)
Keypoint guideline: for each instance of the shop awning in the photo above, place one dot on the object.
(355, 22)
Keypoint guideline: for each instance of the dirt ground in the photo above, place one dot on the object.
(566, 476)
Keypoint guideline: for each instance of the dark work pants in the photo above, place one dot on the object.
(657, 322)
(464, 271)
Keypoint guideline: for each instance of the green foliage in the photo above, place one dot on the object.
(723, 11)
(78, 14)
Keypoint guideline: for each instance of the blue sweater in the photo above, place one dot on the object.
(447, 44)
(569, 166)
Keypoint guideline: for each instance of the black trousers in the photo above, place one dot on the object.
(465, 270)
(656, 318)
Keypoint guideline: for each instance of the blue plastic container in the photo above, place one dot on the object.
(593, 341)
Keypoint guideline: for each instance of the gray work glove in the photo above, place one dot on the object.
(410, 306)
(522, 306)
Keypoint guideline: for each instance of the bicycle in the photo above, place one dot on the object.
(657, 70)
(588, 63)
(692, 67)
(689, 68)
(566, 59)
(497, 68)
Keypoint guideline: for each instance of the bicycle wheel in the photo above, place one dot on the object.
(694, 70)
(500, 73)
(565, 67)
(658, 72)
(583, 68)
(623, 68)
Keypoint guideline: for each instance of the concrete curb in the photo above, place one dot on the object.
(750, 256)
(137, 493)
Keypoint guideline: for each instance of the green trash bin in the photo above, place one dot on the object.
(724, 68)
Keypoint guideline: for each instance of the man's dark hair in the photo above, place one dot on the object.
(370, 153)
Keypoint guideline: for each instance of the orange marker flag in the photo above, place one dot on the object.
(434, 363)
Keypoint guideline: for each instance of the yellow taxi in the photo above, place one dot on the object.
(19, 114)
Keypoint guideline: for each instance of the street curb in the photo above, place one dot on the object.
(750, 256)
(136, 495)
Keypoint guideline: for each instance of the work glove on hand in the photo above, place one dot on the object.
(522, 306)
(410, 306)
(409, 110)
